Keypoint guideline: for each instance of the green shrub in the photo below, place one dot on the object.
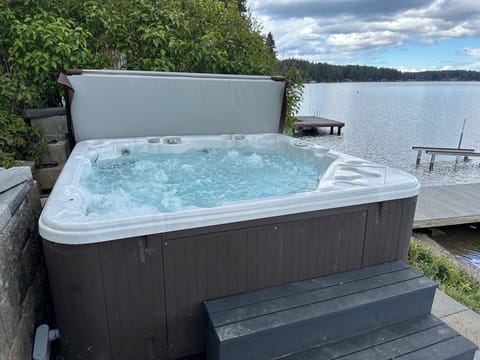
(7, 160)
(18, 140)
(43, 45)
(452, 278)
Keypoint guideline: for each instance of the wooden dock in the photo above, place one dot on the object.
(313, 122)
(433, 151)
(447, 205)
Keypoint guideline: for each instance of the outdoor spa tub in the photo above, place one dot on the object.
(129, 269)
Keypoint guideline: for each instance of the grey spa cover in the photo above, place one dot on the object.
(115, 104)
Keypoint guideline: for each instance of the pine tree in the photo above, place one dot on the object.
(271, 43)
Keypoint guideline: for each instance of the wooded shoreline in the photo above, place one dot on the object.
(323, 72)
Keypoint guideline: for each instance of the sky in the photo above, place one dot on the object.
(408, 35)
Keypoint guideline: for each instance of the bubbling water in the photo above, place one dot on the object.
(200, 178)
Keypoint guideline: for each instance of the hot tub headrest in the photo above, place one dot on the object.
(112, 104)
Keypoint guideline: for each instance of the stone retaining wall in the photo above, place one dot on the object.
(24, 292)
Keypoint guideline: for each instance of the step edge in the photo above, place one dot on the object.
(401, 266)
(224, 340)
(219, 323)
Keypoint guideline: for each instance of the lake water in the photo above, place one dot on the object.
(384, 120)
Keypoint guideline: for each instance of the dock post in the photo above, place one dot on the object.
(432, 160)
(419, 157)
(339, 130)
(331, 130)
(465, 158)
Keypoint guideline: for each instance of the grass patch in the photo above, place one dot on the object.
(452, 278)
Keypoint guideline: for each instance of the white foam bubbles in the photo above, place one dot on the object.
(202, 178)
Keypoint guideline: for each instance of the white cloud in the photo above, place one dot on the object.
(332, 30)
(475, 54)
(472, 52)
(369, 39)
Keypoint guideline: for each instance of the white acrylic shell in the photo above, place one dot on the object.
(348, 181)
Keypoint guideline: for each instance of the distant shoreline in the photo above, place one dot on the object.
(380, 81)
(324, 72)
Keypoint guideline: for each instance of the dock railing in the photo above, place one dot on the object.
(465, 154)
(441, 150)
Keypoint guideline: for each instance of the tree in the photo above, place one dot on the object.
(242, 6)
(270, 43)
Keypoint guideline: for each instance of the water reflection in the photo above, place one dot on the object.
(463, 241)
(471, 258)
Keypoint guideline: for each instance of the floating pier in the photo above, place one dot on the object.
(447, 205)
(313, 122)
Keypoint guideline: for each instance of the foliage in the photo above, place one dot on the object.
(452, 278)
(42, 38)
(18, 141)
(323, 72)
(270, 42)
(15, 94)
(294, 96)
(7, 160)
(41, 46)
(241, 5)
(193, 36)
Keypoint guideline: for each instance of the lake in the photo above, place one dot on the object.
(384, 120)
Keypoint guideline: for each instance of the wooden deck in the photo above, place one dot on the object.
(312, 122)
(447, 205)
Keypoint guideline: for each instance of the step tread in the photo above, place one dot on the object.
(311, 297)
(425, 337)
(236, 323)
(457, 348)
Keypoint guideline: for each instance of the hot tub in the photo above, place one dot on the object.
(129, 282)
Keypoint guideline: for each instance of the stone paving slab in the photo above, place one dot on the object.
(466, 323)
(458, 316)
(444, 305)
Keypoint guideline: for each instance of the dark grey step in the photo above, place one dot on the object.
(422, 338)
(285, 319)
